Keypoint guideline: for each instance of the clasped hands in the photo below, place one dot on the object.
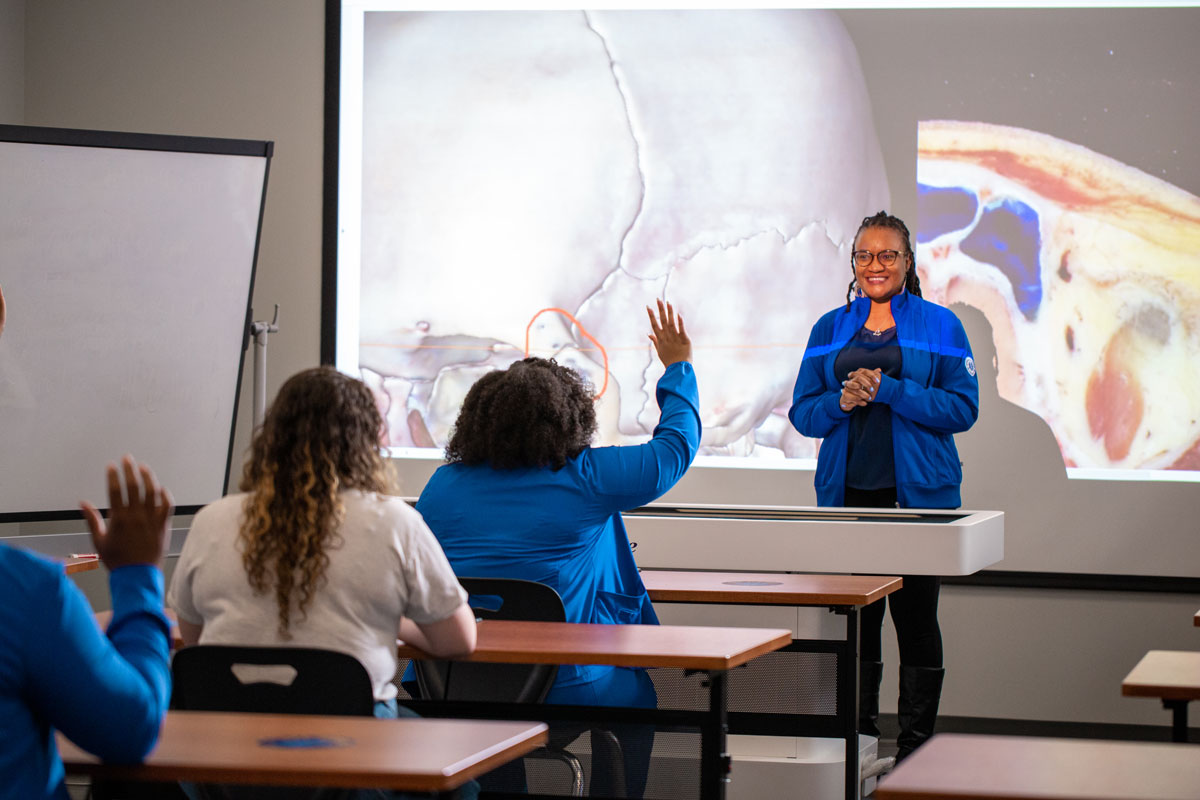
(859, 388)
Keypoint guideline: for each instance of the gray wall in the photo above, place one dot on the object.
(246, 70)
(255, 70)
(12, 62)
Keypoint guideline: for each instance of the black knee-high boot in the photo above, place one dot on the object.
(870, 673)
(920, 693)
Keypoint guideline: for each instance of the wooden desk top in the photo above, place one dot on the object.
(1169, 674)
(363, 752)
(73, 565)
(968, 767)
(680, 646)
(767, 588)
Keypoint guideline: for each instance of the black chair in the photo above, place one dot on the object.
(514, 599)
(270, 680)
(206, 678)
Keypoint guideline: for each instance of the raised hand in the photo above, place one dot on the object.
(137, 525)
(668, 334)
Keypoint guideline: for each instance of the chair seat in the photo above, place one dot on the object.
(515, 599)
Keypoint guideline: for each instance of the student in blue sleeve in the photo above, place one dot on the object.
(106, 691)
(886, 382)
(525, 495)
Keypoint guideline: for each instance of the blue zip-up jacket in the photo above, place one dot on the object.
(936, 396)
(107, 693)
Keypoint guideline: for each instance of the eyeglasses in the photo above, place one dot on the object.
(863, 258)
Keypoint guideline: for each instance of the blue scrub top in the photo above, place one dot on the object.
(563, 527)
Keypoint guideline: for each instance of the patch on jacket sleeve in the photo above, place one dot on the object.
(970, 365)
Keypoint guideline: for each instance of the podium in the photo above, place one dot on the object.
(811, 686)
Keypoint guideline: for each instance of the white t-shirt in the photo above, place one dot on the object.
(384, 565)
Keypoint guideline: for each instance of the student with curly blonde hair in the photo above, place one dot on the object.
(315, 551)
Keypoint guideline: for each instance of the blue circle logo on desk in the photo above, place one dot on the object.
(307, 742)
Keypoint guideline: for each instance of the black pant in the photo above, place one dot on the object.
(914, 607)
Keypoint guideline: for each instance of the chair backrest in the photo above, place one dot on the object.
(496, 598)
(275, 680)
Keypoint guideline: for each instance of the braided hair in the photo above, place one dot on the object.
(912, 283)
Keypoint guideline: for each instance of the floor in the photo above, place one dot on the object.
(886, 749)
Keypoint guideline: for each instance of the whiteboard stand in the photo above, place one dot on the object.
(260, 330)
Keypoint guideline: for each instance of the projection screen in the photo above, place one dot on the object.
(516, 182)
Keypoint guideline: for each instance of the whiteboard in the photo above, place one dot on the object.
(127, 263)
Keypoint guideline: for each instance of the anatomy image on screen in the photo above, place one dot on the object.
(1089, 273)
(530, 181)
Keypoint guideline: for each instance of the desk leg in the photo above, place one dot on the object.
(1179, 715)
(847, 699)
(714, 755)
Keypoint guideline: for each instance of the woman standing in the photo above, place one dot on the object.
(885, 382)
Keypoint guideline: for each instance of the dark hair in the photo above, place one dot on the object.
(536, 413)
(912, 283)
(321, 435)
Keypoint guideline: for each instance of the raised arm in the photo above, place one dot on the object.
(627, 477)
(109, 695)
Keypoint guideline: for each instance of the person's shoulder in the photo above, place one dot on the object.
(220, 511)
(830, 317)
(944, 316)
(223, 504)
(16, 560)
(393, 509)
(25, 572)
(825, 328)
(920, 307)
(448, 480)
(930, 307)
(216, 521)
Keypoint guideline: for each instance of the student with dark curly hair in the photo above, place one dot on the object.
(316, 552)
(526, 496)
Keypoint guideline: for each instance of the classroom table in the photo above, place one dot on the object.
(423, 755)
(844, 594)
(81, 564)
(1173, 676)
(974, 767)
(713, 651)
